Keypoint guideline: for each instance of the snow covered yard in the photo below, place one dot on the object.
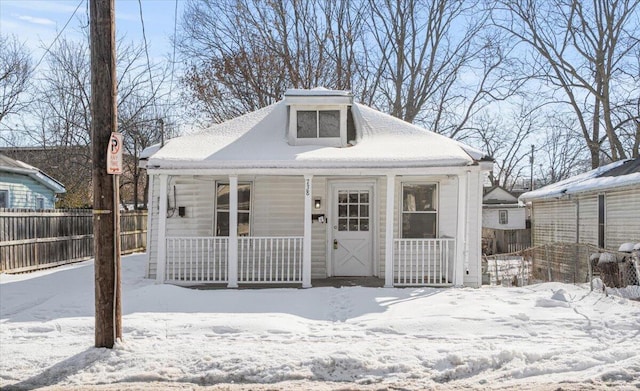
(538, 337)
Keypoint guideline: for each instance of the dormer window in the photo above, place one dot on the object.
(318, 117)
(318, 123)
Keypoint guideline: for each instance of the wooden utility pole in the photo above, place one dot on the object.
(105, 204)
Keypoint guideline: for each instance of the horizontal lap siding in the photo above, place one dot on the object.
(319, 231)
(588, 211)
(24, 191)
(278, 206)
(554, 221)
(622, 221)
(152, 248)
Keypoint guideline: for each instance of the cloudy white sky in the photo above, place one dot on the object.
(37, 23)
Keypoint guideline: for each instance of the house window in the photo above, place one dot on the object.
(503, 216)
(419, 210)
(318, 123)
(4, 198)
(222, 209)
(39, 203)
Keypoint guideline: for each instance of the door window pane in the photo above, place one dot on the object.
(342, 224)
(342, 211)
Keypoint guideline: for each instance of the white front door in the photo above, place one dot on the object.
(352, 230)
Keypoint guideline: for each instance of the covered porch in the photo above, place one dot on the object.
(249, 259)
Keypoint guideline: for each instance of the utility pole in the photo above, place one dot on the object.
(531, 161)
(108, 323)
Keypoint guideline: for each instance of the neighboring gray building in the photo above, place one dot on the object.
(600, 207)
(26, 187)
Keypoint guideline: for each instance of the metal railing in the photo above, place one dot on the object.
(197, 259)
(270, 259)
(423, 261)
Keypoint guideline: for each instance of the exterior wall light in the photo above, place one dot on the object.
(317, 203)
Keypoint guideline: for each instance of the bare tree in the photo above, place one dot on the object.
(63, 115)
(436, 63)
(579, 49)
(507, 138)
(562, 153)
(15, 73)
(244, 54)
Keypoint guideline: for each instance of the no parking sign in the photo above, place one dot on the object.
(114, 154)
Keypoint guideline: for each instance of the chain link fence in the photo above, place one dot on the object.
(571, 263)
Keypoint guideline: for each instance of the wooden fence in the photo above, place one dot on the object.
(32, 240)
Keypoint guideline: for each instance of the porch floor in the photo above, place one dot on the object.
(337, 282)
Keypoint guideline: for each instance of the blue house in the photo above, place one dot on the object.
(24, 186)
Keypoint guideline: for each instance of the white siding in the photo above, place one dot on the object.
(554, 221)
(588, 215)
(516, 218)
(622, 221)
(152, 248)
(319, 230)
(474, 229)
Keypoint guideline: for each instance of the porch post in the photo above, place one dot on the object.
(161, 262)
(388, 239)
(233, 232)
(461, 234)
(306, 241)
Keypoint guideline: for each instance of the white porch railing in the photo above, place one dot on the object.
(270, 259)
(197, 259)
(423, 261)
(260, 259)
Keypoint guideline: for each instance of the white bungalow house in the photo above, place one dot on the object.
(311, 187)
(600, 207)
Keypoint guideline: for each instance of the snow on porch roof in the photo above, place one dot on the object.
(614, 175)
(259, 140)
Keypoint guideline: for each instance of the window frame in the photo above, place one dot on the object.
(40, 202)
(502, 212)
(216, 208)
(6, 198)
(339, 141)
(436, 211)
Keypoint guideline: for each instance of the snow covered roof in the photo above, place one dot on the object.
(259, 140)
(614, 175)
(18, 167)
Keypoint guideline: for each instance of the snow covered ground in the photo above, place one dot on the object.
(545, 336)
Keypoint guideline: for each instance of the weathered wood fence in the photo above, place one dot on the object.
(32, 240)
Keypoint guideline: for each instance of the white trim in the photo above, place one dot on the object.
(388, 249)
(461, 238)
(162, 230)
(306, 241)
(150, 206)
(396, 169)
(233, 232)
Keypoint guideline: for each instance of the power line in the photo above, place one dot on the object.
(59, 34)
(173, 58)
(146, 50)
